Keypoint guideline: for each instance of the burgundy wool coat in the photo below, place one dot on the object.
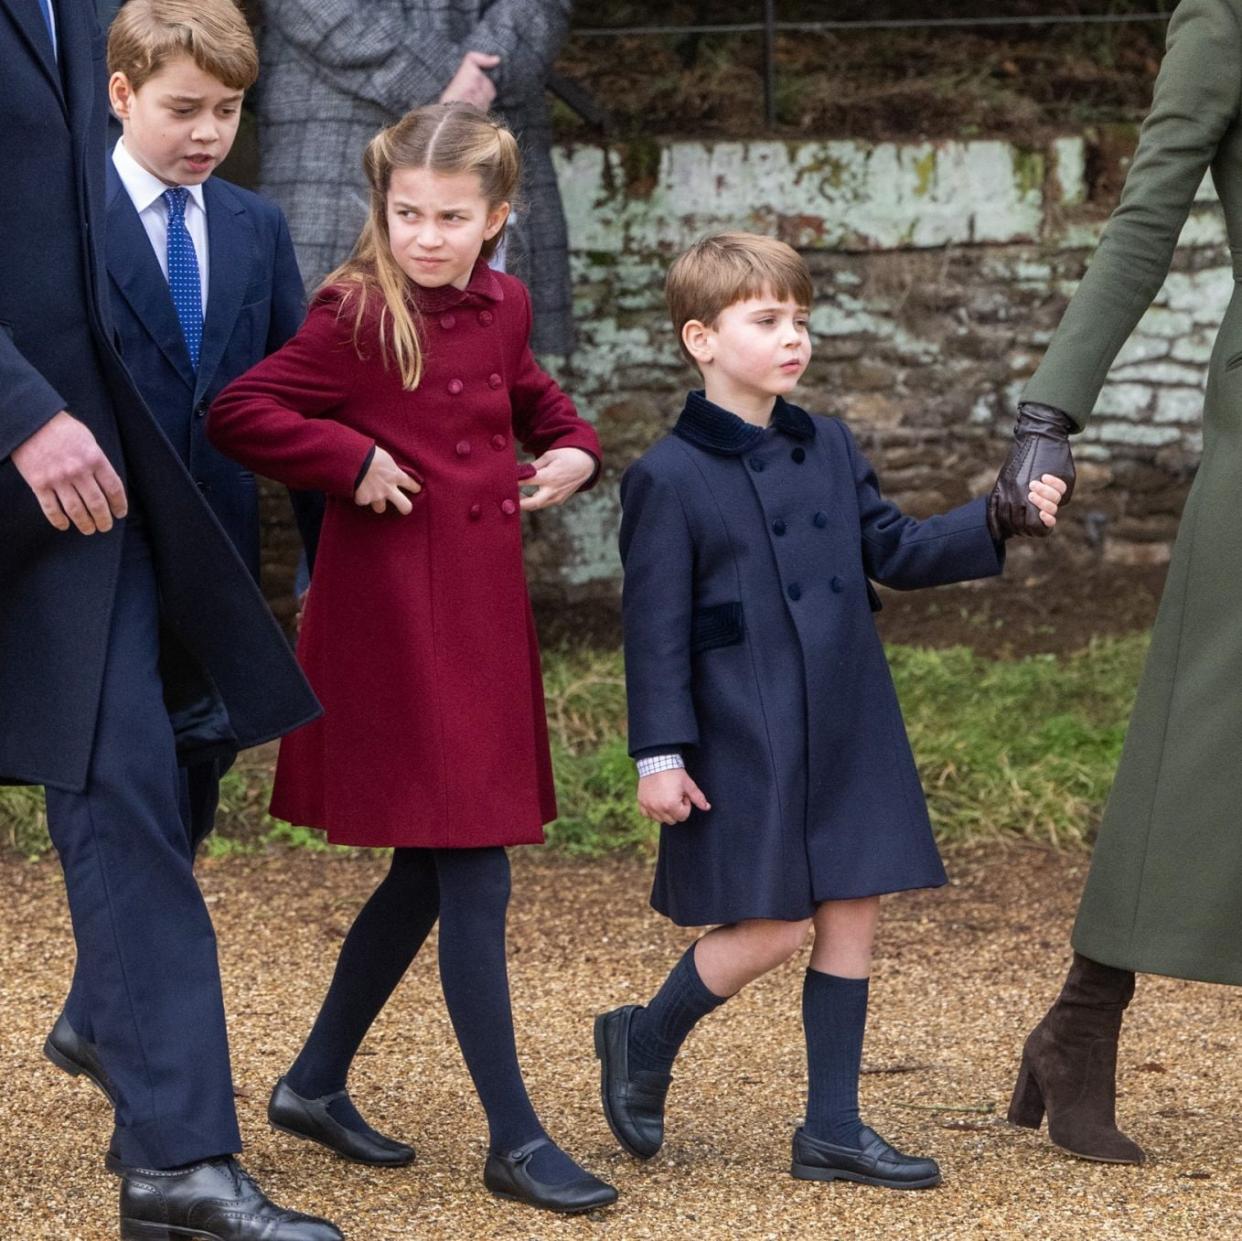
(417, 635)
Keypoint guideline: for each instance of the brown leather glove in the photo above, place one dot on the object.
(1040, 446)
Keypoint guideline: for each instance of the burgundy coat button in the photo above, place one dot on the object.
(455, 386)
(508, 507)
(476, 511)
(463, 448)
(494, 380)
(447, 321)
(485, 318)
(498, 442)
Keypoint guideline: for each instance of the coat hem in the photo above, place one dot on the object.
(345, 838)
(723, 917)
(1119, 950)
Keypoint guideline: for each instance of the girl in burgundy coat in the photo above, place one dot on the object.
(402, 399)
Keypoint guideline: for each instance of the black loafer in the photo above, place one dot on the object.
(216, 1200)
(874, 1162)
(633, 1101)
(508, 1176)
(70, 1052)
(311, 1120)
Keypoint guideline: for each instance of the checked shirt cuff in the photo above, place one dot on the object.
(658, 762)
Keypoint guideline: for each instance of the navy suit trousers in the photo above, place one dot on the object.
(147, 971)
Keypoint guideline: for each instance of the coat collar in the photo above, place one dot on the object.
(483, 284)
(709, 426)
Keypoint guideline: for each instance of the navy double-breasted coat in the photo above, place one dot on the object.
(750, 647)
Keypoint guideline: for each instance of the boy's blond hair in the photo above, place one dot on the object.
(732, 267)
(146, 34)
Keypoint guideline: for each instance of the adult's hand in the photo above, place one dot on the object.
(558, 474)
(470, 83)
(1040, 446)
(386, 483)
(73, 481)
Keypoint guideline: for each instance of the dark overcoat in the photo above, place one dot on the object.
(57, 351)
(255, 303)
(751, 648)
(417, 634)
(1165, 889)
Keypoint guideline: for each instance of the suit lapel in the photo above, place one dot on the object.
(231, 253)
(136, 272)
(28, 19)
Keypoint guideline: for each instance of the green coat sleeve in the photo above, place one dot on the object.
(1197, 99)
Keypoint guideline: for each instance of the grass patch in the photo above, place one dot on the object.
(1023, 748)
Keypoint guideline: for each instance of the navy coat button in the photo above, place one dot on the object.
(799, 455)
(200, 410)
(494, 380)
(820, 519)
(837, 585)
(476, 511)
(447, 321)
(455, 387)
(779, 525)
(498, 442)
(794, 591)
(756, 464)
(508, 507)
(485, 318)
(463, 448)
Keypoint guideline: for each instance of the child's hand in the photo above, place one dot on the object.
(383, 483)
(1046, 494)
(558, 474)
(666, 796)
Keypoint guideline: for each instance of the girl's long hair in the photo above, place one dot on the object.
(449, 138)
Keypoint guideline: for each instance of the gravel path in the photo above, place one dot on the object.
(961, 974)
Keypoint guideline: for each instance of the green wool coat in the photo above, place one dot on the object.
(1165, 890)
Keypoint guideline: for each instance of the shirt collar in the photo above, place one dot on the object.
(714, 428)
(144, 188)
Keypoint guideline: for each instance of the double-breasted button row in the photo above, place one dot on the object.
(507, 506)
(456, 387)
(449, 321)
(780, 526)
(463, 448)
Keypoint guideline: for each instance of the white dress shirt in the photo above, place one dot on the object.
(146, 192)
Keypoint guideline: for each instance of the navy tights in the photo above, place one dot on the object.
(468, 889)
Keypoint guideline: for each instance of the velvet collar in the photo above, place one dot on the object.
(483, 285)
(709, 426)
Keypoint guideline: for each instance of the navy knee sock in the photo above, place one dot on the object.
(384, 939)
(474, 894)
(834, 1017)
(658, 1031)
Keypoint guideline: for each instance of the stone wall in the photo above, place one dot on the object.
(941, 271)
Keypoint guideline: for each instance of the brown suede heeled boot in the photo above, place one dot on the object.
(1069, 1066)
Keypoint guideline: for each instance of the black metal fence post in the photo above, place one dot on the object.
(769, 62)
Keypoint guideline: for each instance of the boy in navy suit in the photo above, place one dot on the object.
(201, 273)
(750, 536)
(203, 283)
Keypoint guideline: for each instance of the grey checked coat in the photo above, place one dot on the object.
(335, 71)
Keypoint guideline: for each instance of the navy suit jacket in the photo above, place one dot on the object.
(255, 303)
(58, 351)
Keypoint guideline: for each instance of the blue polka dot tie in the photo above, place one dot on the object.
(183, 278)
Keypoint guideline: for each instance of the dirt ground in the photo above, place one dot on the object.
(961, 974)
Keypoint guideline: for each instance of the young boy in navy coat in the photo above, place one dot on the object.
(203, 284)
(756, 678)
